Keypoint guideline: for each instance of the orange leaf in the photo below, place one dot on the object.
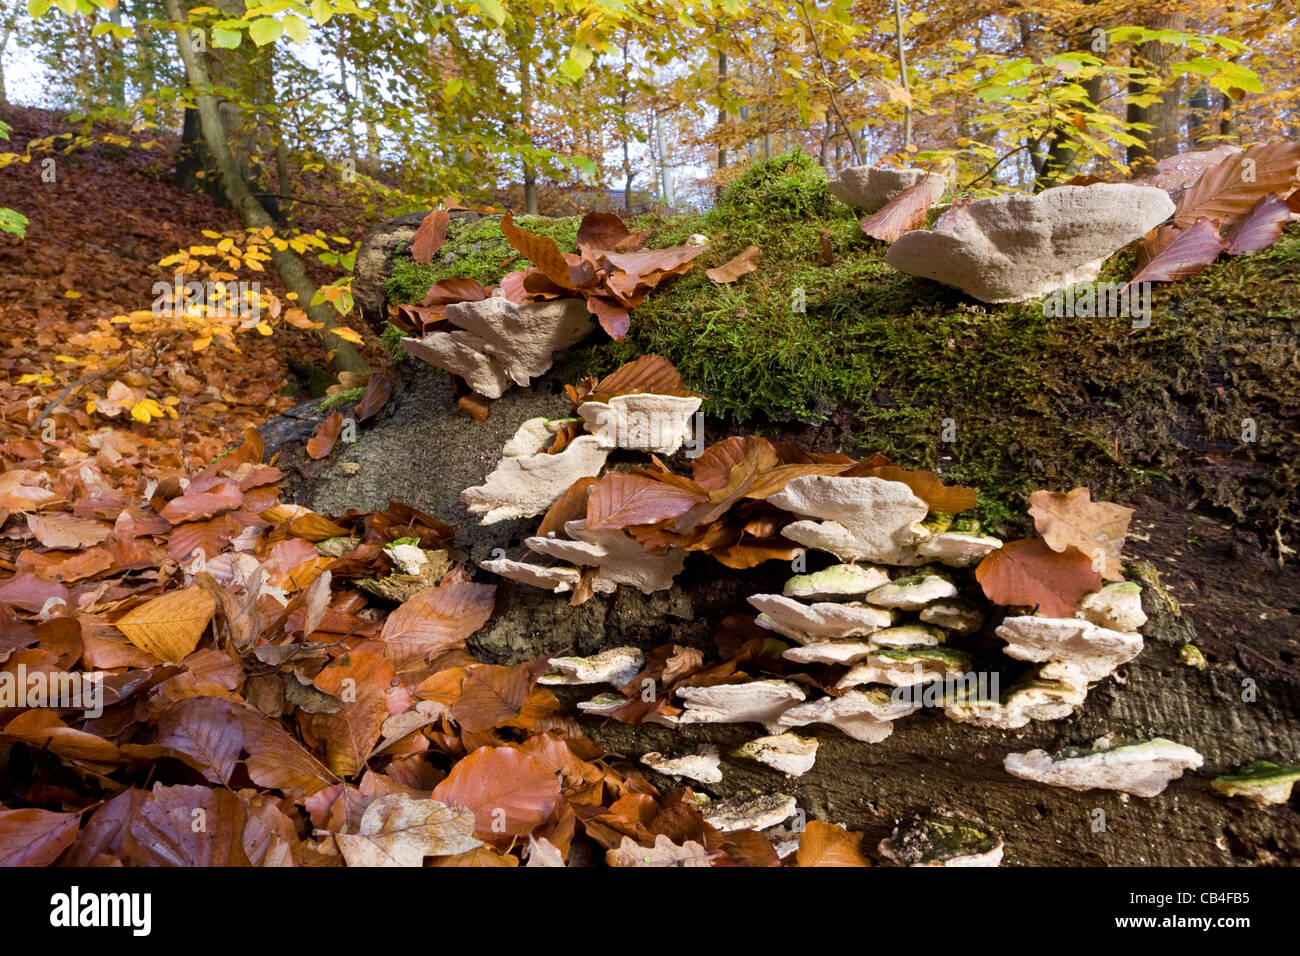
(1029, 573)
(430, 237)
(169, 627)
(825, 844)
(436, 619)
(733, 269)
(322, 443)
(510, 793)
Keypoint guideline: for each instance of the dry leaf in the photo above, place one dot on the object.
(169, 627)
(825, 844)
(733, 269)
(1029, 573)
(1097, 528)
(400, 830)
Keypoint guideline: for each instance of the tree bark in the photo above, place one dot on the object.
(288, 265)
(1164, 116)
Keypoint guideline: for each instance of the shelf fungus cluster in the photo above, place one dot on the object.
(1140, 767)
(1262, 782)
(497, 344)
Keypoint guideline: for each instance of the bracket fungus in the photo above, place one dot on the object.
(905, 667)
(555, 578)
(704, 766)
(838, 581)
(1028, 700)
(498, 343)
(618, 557)
(616, 666)
(1140, 767)
(1075, 651)
(1117, 606)
(863, 715)
(1262, 782)
(869, 188)
(759, 812)
(812, 623)
(787, 752)
(1017, 246)
(757, 701)
(947, 840)
(525, 485)
(861, 519)
(913, 592)
(641, 421)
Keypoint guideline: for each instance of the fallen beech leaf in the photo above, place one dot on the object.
(733, 269)
(35, 837)
(653, 374)
(664, 853)
(436, 619)
(44, 728)
(479, 856)
(430, 236)
(620, 500)
(327, 433)
(1224, 192)
(510, 793)
(1257, 231)
(169, 627)
(827, 250)
(903, 213)
(541, 251)
(490, 694)
(1029, 573)
(601, 230)
(613, 317)
(20, 491)
(67, 531)
(204, 503)
(825, 844)
(1187, 254)
(400, 830)
(945, 499)
(379, 389)
(1097, 528)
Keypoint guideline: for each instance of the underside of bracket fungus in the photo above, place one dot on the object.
(1075, 652)
(862, 519)
(1140, 767)
(616, 666)
(704, 766)
(524, 485)
(758, 701)
(948, 840)
(641, 422)
(551, 577)
(618, 557)
(1017, 246)
(1262, 782)
(498, 343)
(863, 715)
(870, 187)
(788, 753)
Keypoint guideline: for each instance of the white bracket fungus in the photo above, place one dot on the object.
(616, 666)
(913, 592)
(619, 558)
(943, 841)
(838, 581)
(788, 753)
(1079, 651)
(641, 421)
(557, 578)
(866, 519)
(523, 486)
(863, 715)
(750, 813)
(704, 766)
(1017, 246)
(869, 188)
(813, 623)
(759, 702)
(1143, 768)
(1263, 783)
(1117, 606)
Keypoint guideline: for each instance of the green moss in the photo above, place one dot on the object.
(475, 249)
(339, 399)
(391, 340)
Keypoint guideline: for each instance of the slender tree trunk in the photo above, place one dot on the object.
(525, 117)
(345, 94)
(287, 263)
(902, 75)
(1164, 116)
(722, 116)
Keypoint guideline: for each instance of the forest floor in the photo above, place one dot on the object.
(1151, 418)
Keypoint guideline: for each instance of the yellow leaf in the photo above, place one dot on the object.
(347, 334)
(169, 627)
(264, 328)
(91, 407)
(208, 233)
(72, 294)
(201, 343)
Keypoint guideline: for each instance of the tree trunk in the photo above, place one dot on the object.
(525, 118)
(722, 116)
(350, 132)
(1164, 116)
(287, 263)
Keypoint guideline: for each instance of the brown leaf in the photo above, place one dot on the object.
(401, 830)
(825, 844)
(1229, 189)
(613, 317)
(430, 237)
(436, 619)
(362, 681)
(510, 793)
(827, 250)
(67, 531)
(454, 289)
(1188, 253)
(35, 837)
(476, 406)
(903, 213)
(541, 251)
(1257, 231)
(652, 374)
(322, 443)
(1097, 528)
(945, 499)
(601, 230)
(379, 389)
(733, 269)
(169, 627)
(620, 500)
(571, 506)
(198, 503)
(1029, 573)
(491, 695)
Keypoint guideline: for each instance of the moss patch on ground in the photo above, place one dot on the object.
(1028, 401)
